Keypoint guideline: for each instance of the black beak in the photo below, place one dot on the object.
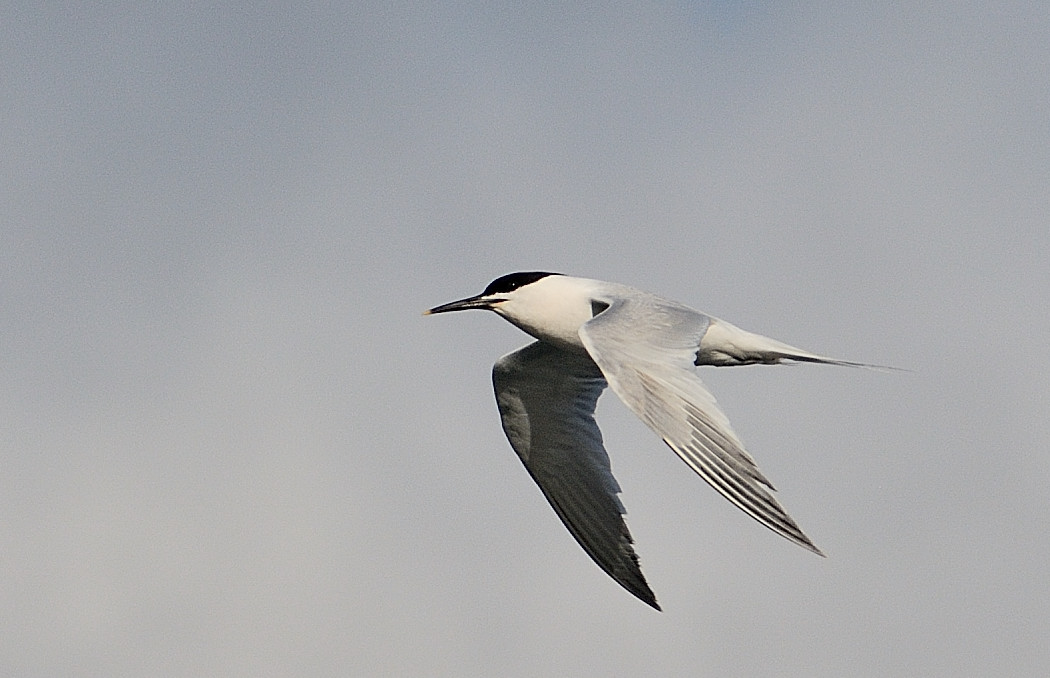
(480, 301)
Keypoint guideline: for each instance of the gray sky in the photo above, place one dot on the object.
(231, 446)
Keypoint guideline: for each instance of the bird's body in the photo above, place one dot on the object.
(592, 333)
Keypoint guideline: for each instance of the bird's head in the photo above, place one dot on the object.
(549, 306)
(499, 292)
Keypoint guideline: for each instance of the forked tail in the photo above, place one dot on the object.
(726, 345)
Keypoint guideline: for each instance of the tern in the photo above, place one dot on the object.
(591, 334)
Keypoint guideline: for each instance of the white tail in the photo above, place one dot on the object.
(726, 345)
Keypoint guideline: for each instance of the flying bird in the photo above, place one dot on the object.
(591, 334)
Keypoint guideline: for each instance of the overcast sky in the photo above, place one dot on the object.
(230, 445)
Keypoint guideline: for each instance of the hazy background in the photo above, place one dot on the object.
(231, 446)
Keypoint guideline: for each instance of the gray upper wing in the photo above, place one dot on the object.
(546, 398)
(646, 347)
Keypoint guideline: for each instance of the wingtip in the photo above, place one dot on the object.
(810, 546)
(638, 587)
(648, 597)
